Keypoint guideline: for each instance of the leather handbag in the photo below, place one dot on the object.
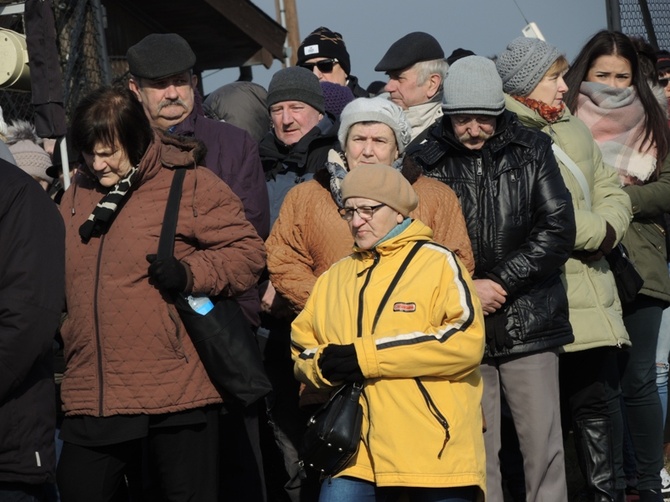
(333, 433)
(628, 280)
(223, 337)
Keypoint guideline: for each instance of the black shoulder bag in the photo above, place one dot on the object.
(334, 432)
(223, 337)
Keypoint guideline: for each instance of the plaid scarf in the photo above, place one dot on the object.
(616, 118)
(104, 211)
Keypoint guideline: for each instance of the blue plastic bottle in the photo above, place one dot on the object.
(201, 304)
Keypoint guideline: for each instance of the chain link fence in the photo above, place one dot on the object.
(82, 52)
(632, 20)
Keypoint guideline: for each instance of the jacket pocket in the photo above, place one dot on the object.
(174, 330)
(436, 412)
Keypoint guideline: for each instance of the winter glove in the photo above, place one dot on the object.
(167, 274)
(605, 247)
(496, 332)
(339, 363)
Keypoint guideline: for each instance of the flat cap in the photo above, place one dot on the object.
(160, 55)
(409, 50)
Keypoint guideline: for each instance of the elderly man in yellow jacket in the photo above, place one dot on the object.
(418, 358)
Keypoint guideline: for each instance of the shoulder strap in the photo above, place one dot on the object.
(395, 280)
(168, 231)
(578, 174)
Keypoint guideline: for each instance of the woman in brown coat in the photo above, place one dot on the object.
(132, 373)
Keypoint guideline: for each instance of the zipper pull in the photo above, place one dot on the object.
(480, 171)
(447, 437)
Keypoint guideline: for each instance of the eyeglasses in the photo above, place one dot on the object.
(364, 212)
(324, 66)
(663, 82)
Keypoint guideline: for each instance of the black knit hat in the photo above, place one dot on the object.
(323, 43)
(160, 55)
(459, 54)
(409, 50)
(296, 84)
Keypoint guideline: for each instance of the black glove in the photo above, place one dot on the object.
(167, 274)
(496, 332)
(603, 250)
(338, 363)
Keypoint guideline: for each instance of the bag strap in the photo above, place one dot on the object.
(169, 228)
(395, 280)
(578, 174)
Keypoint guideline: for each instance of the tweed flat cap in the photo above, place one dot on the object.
(160, 55)
(409, 50)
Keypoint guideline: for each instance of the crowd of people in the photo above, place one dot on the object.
(450, 240)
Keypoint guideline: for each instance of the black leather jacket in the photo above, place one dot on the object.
(521, 223)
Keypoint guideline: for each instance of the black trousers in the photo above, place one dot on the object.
(182, 461)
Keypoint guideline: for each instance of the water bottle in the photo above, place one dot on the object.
(201, 304)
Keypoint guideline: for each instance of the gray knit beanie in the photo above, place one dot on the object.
(473, 87)
(296, 84)
(523, 64)
(376, 110)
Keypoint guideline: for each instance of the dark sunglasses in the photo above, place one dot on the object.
(324, 66)
(663, 82)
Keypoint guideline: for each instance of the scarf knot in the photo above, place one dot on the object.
(100, 218)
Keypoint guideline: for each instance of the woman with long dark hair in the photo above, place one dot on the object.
(607, 90)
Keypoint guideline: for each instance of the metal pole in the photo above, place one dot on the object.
(99, 23)
(649, 26)
(613, 15)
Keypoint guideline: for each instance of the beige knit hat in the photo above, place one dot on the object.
(381, 183)
(32, 159)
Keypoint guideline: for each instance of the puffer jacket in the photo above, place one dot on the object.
(422, 421)
(595, 309)
(126, 350)
(521, 224)
(304, 244)
(31, 300)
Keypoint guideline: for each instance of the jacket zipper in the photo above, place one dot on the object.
(97, 326)
(436, 413)
(359, 322)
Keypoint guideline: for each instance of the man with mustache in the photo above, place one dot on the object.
(162, 79)
(521, 222)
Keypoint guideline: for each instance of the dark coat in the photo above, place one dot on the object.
(285, 166)
(356, 89)
(521, 223)
(31, 301)
(233, 156)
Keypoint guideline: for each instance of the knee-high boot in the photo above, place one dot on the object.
(594, 452)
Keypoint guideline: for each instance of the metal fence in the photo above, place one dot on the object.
(83, 55)
(637, 16)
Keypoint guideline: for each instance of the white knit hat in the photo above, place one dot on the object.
(376, 110)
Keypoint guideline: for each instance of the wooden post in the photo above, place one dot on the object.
(293, 30)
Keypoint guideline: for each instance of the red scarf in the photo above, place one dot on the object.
(549, 113)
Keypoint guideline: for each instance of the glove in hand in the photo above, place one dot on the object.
(496, 332)
(167, 274)
(339, 363)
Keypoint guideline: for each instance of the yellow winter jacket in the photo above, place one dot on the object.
(422, 422)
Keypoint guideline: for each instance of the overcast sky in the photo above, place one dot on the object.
(369, 27)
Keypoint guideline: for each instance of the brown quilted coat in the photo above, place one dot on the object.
(126, 350)
(309, 235)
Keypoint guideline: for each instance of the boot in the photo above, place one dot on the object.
(594, 453)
